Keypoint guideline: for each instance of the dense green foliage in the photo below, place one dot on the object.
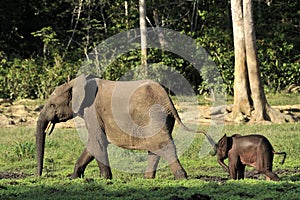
(43, 43)
(205, 176)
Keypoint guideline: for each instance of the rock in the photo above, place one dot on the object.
(19, 110)
(218, 110)
(2, 101)
(240, 118)
(38, 108)
(293, 88)
(22, 120)
(4, 121)
(11, 122)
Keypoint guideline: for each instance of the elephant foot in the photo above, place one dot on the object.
(180, 174)
(74, 176)
(106, 174)
(272, 176)
(149, 175)
(105, 171)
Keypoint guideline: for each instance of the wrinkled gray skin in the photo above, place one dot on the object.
(104, 105)
(251, 150)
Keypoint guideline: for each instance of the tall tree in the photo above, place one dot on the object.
(249, 96)
(143, 29)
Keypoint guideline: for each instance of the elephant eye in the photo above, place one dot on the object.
(52, 105)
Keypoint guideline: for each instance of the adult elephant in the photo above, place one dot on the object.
(130, 114)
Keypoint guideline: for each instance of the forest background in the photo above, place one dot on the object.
(43, 43)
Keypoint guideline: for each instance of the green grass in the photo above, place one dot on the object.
(63, 148)
(274, 99)
(283, 98)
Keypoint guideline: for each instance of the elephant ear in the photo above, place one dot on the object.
(222, 140)
(78, 92)
(222, 144)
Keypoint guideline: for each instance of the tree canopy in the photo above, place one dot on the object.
(43, 42)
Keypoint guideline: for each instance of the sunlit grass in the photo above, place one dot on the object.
(63, 148)
(274, 99)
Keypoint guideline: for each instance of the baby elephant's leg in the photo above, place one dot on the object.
(271, 176)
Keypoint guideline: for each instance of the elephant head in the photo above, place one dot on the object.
(222, 147)
(67, 101)
(222, 151)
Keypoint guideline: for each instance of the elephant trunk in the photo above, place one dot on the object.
(213, 152)
(40, 142)
(214, 145)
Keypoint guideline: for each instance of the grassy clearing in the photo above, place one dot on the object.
(277, 99)
(283, 98)
(206, 177)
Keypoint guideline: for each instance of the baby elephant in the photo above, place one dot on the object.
(251, 150)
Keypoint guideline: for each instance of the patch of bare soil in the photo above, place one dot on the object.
(17, 113)
(196, 196)
(12, 175)
(191, 113)
(254, 175)
(211, 178)
(22, 113)
(280, 172)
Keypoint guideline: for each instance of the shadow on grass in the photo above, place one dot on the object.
(100, 190)
(198, 187)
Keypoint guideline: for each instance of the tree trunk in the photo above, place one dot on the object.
(241, 84)
(248, 87)
(256, 86)
(161, 36)
(143, 29)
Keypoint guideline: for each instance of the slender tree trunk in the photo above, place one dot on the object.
(258, 95)
(241, 83)
(74, 27)
(161, 36)
(143, 29)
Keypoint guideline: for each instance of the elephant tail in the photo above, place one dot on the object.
(172, 110)
(280, 153)
(177, 118)
(211, 141)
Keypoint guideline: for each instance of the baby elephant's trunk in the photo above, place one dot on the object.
(281, 153)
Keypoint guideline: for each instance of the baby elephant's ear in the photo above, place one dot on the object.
(223, 142)
(78, 92)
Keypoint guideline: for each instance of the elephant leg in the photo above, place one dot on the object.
(233, 173)
(97, 142)
(233, 166)
(98, 147)
(241, 171)
(271, 176)
(153, 160)
(104, 167)
(84, 159)
(266, 167)
(168, 152)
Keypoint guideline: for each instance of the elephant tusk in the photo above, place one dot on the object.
(48, 126)
(51, 129)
